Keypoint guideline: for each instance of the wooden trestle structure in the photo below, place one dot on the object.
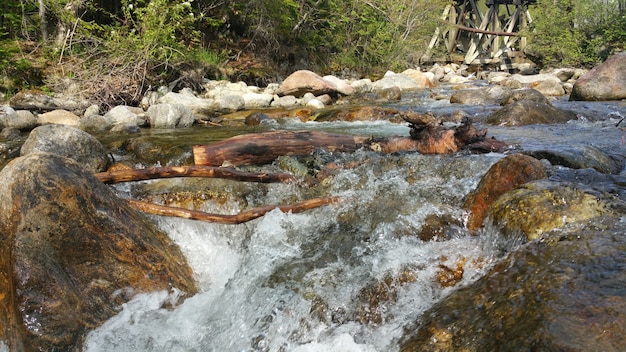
(481, 33)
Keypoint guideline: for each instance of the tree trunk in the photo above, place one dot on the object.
(44, 20)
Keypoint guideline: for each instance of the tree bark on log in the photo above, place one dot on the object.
(262, 148)
(192, 171)
(428, 136)
(240, 218)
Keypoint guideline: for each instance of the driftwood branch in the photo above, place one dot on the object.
(240, 218)
(192, 171)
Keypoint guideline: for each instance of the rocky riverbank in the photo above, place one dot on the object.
(73, 251)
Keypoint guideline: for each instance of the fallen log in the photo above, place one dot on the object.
(192, 171)
(240, 218)
(428, 136)
(262, 148)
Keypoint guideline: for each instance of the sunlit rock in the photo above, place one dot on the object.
(539, 207)
(72, 254)
(505, 175)
(122, 114)
(303, 81)
(69, 142)
(423, 80)
(527, 112)
(58, 117)
(605, 82)
(170, 116)
(549, 87)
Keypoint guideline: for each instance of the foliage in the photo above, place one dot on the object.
(587, 31)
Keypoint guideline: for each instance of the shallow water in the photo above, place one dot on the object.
(300, 282)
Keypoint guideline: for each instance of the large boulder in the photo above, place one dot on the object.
(605, 82)
(304, 81)
(527, 112)
(69, 142)
(72, 254)
(507, 174)
(562, 295)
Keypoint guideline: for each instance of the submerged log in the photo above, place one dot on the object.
(428, 136)
(240, 218)
(192, 171)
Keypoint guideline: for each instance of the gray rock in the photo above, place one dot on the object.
(229, 103)
(495, 94)
(578, 157)
(526, 94)
(199, 106)
(20, 119)
(94, 123)
(527, 112)
(69, 142)
(285, 101)
(549, 87)
(123, 114)
(342, 87)
(257, 100)
(362, 85)
(92, 110)
(170, 116)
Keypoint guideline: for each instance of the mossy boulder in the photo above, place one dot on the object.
(539, 207)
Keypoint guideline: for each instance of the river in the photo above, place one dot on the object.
(344, 277)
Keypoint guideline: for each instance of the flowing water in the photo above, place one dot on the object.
(343, 277)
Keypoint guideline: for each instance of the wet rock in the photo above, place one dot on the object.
(578, 157)
(565, 295)
(362, 113)
(170, 116)
(605, 82)
(489, 95)
(152, 152)
(69, 142)
(94, 123)
(440, 228)
(527, 112)
(59, 117)
(373, 299)
(72, 254)
(20, 119)
(505, 175)
(549, 87)
(389, 94)
(526, 94)
(539, 207)
(304, 81)
(256, 119)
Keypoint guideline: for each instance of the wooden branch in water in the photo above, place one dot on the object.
(262, 148)
(192, 171)
(240, 218)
